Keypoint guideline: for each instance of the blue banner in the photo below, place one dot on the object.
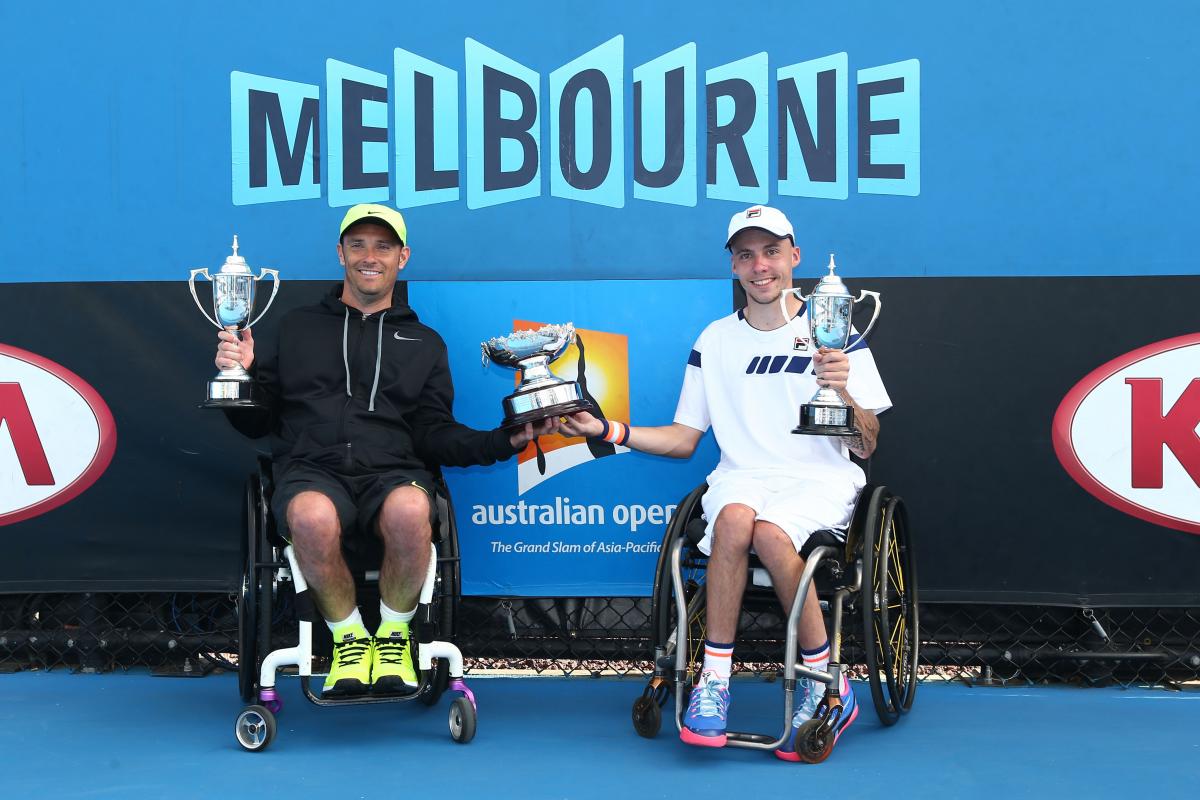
(580, 517)
(613, 140)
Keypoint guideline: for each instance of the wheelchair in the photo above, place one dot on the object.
(272, 583)
(869, 570)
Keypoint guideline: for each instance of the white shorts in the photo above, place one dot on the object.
(799, 506)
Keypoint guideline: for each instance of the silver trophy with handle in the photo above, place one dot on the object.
(233, 290)
(541, 394)
(829, 312)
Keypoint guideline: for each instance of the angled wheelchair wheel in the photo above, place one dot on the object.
(446, 592)
(888, 600)
(255, 594)
(693, 565)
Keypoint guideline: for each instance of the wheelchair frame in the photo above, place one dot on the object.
(264, 572)
(878, 575)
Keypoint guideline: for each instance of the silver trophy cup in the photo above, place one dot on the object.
(233, 288)
(829, 312)
(541, 394)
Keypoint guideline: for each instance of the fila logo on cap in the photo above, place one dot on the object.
(751, 213)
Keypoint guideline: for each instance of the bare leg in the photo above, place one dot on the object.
(778, 554)
(732, 535)
(317, 538)
(406, 533)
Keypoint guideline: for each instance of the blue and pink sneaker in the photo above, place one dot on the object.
(810, 694)
(707, 711)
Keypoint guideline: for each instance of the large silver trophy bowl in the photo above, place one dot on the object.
(829, 312)
(541, 394)
(233, 288)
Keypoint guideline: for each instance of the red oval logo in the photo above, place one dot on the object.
(57, 435)
(1128, 433)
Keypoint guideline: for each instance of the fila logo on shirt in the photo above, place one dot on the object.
(773, 364)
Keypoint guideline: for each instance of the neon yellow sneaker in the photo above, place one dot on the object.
(392, 669)
(352, 656)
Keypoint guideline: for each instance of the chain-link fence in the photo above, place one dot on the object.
(190, 634)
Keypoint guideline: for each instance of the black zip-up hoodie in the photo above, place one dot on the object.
(361, 393)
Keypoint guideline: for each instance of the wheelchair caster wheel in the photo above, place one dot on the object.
(814, 742)
(462, 720)
(647, 717)
(255, 728)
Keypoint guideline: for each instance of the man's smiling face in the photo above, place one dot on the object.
(373, 256)
(763, 264)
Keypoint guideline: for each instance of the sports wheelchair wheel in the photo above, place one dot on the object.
(446, 592)
(888, 601)
(647, 709)
(256, 594)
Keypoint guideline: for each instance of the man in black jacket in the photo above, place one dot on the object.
(359, 400)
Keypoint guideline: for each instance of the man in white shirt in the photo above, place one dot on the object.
(746, 377)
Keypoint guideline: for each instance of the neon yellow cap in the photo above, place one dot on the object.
(388, 216)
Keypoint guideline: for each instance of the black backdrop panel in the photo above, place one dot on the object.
(167, 512)
(976, 368)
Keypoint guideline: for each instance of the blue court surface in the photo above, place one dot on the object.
(134, 736)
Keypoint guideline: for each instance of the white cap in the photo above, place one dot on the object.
(769, 219)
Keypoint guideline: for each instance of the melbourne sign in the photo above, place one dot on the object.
(689, 130)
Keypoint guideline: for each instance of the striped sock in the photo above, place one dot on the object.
(718, 659)
(817, 659)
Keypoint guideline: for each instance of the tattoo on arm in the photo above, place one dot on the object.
(862, 443)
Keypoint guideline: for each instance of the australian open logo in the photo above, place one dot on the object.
(599, 362)
(694, 135)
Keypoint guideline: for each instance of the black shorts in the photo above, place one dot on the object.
(357, 498)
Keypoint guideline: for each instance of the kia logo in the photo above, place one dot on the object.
(1127, 433)
(56, 435)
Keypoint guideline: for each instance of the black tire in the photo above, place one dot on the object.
(663, 612)
(446, 592)
(888, 600)
(902, 672)
(249, 597)
(256, 596)
(255, 728)
(647, 717)
(462, 720)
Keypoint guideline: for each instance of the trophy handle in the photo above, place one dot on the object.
(274, 273)
(192, 285)
(862, 337)
(783, 309)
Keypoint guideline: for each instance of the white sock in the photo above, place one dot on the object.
(718, 659)
(389, 614)
(354, 618)
(817, 659)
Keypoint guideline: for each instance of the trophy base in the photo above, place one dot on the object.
(534, 405)
(231, 394)
(826, 421)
